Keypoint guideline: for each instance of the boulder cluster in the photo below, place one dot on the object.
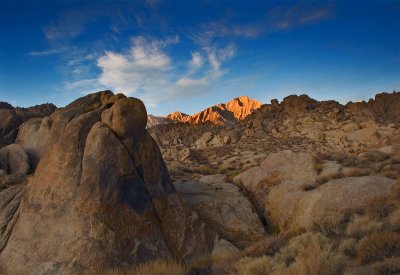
(297, 187)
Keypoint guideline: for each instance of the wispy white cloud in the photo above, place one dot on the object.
(276, 19)
(69, 24)
(145, 64)
(196, 62)
(282, 18)
(48, 52)
(83, 86)
(216, 56)
(147, 70)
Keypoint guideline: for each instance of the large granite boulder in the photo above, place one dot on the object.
(285, 188)
(283, 165)
(100, 197)
(33, 135)
(14, 160)
(224, 208)
(290, 206)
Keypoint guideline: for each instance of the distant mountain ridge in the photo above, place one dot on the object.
(227, 113)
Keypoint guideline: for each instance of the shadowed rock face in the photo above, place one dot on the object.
(101, 196)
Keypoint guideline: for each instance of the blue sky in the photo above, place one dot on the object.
(188, 55)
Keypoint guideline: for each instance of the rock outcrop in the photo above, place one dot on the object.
(353, 127)
(100, 197)
(178, 116)
(157, 120)
(11, 118)
(14, 160)
(228, 113)
(33, 135)
(291, 206)
(386, 107)
(222, 206)
(10, 200)
(286, 189)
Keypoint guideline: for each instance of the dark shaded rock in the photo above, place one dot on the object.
(101, 196)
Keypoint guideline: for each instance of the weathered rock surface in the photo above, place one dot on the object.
(290, 206)
(386, 107)
(33, 135)
(157, 120)
(11, 118)
(100, 196)
(284, 186)
(14, 160)
(10, 200)
(224, 208)
(223, 248)
(41, 110)
(283, 165)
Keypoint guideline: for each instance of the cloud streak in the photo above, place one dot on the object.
(146, 70)
(48, 52)
(298, 15)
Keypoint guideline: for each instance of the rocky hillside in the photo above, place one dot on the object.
(323, 179)
(294, 187)
(157, 120)
(222, 114)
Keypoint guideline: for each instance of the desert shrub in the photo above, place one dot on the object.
(267, 246)
(389, 266)
(309, 253)
(393, 174)
(348, 247)
(259, 266)
(361, 226)
(157, 267)
(335, 223)
(273, 179)
(205, 170)
(396, 158)
(374, 156)
(316, 260)
(337, 156)
(326, 178)
(208, 261)
(357, 172)
(318, 166)
(378, 246)
(380, 207)
(300, 243)
(394, 220)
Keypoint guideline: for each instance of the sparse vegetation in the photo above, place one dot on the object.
(362, 226)
(158, 267)
(379, 246)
